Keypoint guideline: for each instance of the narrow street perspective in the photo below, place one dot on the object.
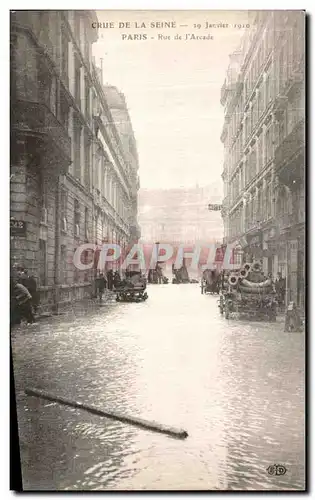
(235, 386)
(157, 263)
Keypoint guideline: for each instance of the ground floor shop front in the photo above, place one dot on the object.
(281, 251)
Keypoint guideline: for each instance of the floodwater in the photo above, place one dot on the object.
(237, 387)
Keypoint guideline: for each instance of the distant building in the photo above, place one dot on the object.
(264, 143)
(179, 215)
(74, 171)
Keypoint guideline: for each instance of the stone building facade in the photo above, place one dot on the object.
(263, 136)
(74, 180)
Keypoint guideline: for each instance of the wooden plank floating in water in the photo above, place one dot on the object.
(139, 422)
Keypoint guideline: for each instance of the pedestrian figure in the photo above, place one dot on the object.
(101, 285)
(30, 283)
(24, 303)
(280, 286)
(116, 279)
(150, 279)
(292, 319)
(110, 279)
(159, 274)
(14, 311)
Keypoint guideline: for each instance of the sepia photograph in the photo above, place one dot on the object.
(157, 250)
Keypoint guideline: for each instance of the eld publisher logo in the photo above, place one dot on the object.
(276, 470)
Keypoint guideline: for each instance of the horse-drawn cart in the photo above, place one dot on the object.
(249, 293)
(209, 282)
(132, 288)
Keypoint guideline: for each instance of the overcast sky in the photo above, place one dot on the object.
(172, 89)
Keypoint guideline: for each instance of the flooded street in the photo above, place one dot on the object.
(237, 388)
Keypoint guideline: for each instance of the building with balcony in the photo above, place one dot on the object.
(73, 179)
(263, 136)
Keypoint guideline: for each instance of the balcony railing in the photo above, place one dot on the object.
(36, 119)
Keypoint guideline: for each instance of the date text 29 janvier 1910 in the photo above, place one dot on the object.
(164, 25)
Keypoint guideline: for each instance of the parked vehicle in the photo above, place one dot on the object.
(180, 275)
(132, 288)
(156, 276)
(210, 282)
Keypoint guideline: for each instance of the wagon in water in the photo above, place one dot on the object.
(249, 293)
(210, 282)
(156, 276)
(132, 288)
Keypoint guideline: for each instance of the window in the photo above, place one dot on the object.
(77, 26)
(86, 223)
(281, 68)
(255, 110)
(282, 127)
(259, 205)
(259, 107)
(63, 209)
(259, 58)
(64, 56)
(76, 219)
(246, 130)
(267, 90)
(296, 34)
(75, 269)
(87, 97)
(45, 82)
(63, 264)
(259, 154)
(42, 263)
(105, 229)
(85, 261)
(253, 158)
(44, 190)
(86, 45)
(267, 145)
(77, 151)
(270, 41)
(246, 89)
(251, 211)
(97, 167)
(268, 201)
(102, 176)
(64, 111)
(14, 65)
(87, 148)
(96, 228)
(77, 81)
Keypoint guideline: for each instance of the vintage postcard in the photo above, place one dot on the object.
(157, 261)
